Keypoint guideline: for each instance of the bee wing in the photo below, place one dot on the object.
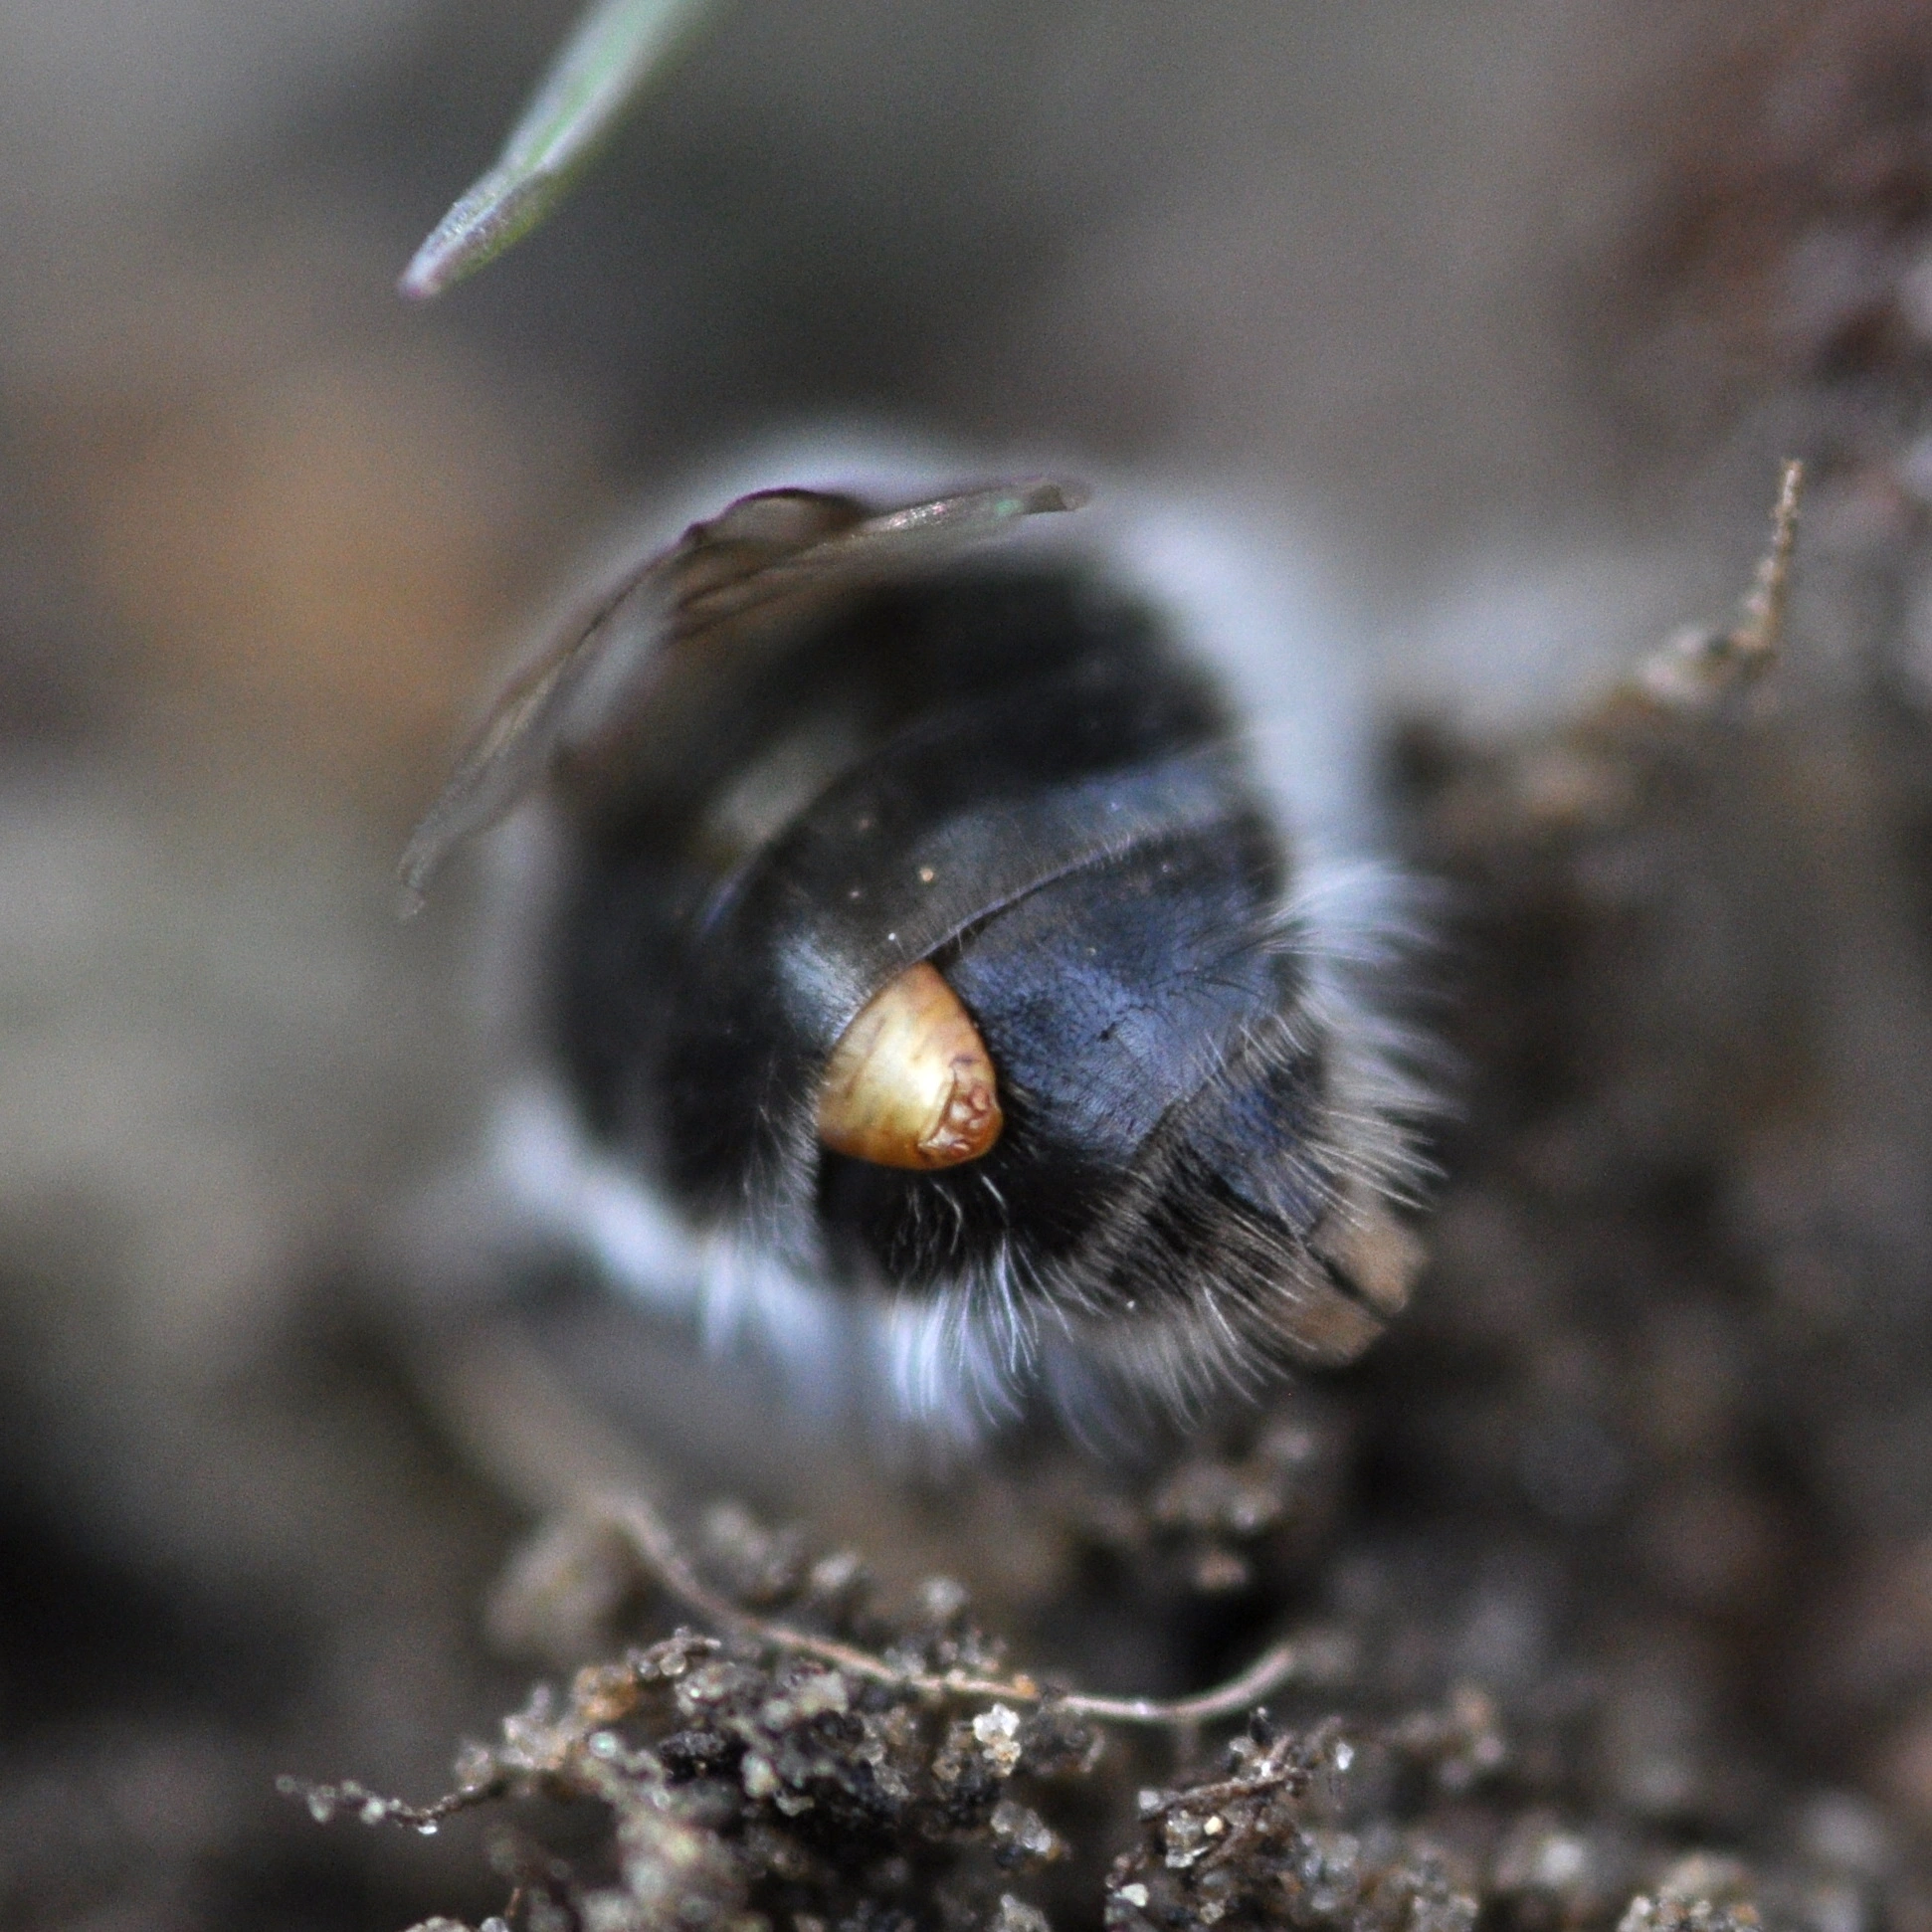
(778, 544)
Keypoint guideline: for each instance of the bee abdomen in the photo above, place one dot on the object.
(968, 994)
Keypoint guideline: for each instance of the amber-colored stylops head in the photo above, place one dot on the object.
(910, 1082)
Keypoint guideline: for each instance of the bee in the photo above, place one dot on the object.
(925, 972)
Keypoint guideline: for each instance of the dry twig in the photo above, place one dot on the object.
(1699, 667)
(503, 1405)
(647, 1539)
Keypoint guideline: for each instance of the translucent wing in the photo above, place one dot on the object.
(775, 545)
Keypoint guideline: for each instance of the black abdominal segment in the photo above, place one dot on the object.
(1021, 780)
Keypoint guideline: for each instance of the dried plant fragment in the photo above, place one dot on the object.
(1698, 667)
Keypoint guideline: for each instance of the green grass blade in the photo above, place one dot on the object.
(613, 52)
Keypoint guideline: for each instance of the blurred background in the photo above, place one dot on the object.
(1512, 304)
